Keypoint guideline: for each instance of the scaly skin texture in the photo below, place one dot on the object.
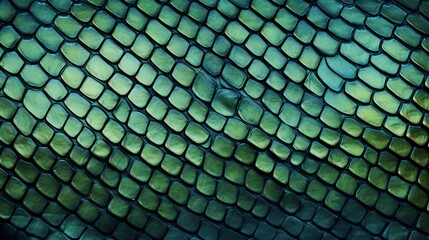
(214, 119)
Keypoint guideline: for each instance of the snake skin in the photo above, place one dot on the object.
(214, 119)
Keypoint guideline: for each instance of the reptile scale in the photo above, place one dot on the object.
(214, 119)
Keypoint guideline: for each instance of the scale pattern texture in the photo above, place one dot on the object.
(214, 119)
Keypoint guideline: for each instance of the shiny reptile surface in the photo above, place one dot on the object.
(214, 119)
